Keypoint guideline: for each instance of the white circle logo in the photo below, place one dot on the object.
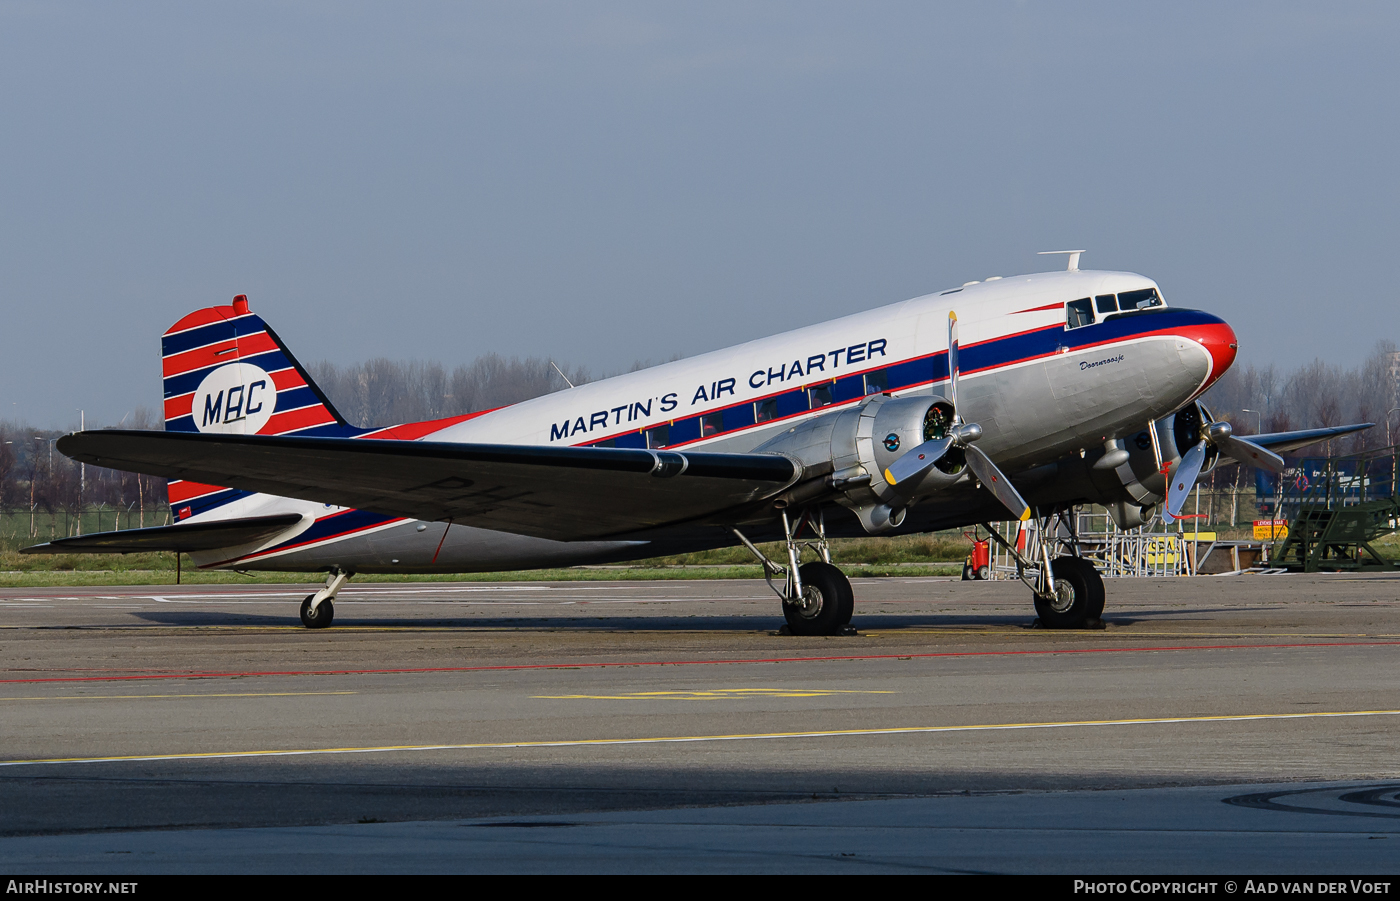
(235, 399)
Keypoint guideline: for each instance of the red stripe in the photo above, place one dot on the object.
(179, 406)
(183, 491)
(213, 354)
(287, 378)
(721, 662)
(412, 431)
(206, 316)
(1049, 306)
(292, 420)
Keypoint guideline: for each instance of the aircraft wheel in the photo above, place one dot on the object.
(1078, 596)
(827, 601)
(1096, 589)
(318, 618)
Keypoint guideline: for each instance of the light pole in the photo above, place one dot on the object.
(50, 441)
(1387, 424)
(1258, 418)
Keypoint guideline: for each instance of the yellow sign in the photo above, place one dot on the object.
(1270, 529)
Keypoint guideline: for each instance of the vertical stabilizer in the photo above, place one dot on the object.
(226, 372)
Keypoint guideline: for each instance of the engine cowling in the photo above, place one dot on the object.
(849, 450)
(1142, 477)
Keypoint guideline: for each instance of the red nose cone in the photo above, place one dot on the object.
(1219, 339)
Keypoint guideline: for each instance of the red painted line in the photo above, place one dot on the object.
(1048, 306)
(546, 666)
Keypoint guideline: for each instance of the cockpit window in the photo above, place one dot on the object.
(1079, 313)
(1139, 300)
(1106, 303)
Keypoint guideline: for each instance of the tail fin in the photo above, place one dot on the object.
(225, 371)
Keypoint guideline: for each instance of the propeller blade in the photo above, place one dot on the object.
(1184, 479)
(917, 461)
(1250, 453)
(953, 364)
(998, 484)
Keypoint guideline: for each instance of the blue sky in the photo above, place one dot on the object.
(601, 183)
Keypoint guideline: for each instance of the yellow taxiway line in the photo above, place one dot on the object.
(687, 739)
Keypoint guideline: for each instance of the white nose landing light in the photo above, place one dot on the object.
(237, 399)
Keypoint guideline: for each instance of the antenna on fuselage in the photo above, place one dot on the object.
(1073, 258)
(562, 375)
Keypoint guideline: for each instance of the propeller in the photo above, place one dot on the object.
(1219, 435)
(960, 436)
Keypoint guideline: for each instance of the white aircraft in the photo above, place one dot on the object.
(1025, 394)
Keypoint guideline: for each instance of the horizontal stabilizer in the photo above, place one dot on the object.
(197, 536)
(563, 493)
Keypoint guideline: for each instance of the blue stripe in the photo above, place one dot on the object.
(270, 361)
(205, 334)
(209, 502)
(351, 520)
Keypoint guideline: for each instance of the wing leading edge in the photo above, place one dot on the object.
(562, 493)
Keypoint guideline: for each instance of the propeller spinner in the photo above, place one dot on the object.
(960, 436)
(1219, 435)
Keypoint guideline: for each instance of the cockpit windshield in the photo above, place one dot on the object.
(1139, 300)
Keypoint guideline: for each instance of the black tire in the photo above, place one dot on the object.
(828, 602)
(967, 572)
(324, 613)
(1078, 595)
(1097, 595)
(983, 573)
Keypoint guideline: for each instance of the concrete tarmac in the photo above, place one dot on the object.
(665, 726)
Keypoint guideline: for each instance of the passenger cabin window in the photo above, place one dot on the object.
(659, 436)
(819, 396)
(1079, 313)
(1106, 303)
(711, 424)
(1139, 300)
(877, 382)
(765, 410)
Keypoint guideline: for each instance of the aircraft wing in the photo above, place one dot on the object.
(1282, 442)
(563, 493)
(195, 536)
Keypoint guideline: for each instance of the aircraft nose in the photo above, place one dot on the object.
(1220, 342)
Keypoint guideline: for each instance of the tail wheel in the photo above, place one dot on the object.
(1078, 597)
(827, 602)
(318, 618)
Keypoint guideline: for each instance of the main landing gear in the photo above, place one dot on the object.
(1068, 591)
(317, 611)
(817, 597)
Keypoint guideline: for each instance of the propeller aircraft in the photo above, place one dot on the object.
(1023, 396)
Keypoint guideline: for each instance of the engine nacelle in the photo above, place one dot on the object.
(850, 449)
(1141, 474)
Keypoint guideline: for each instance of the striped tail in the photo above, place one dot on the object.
(226, 372)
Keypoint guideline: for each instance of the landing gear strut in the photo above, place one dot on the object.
(817, 597)
(1068, 591)
(317, 611)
